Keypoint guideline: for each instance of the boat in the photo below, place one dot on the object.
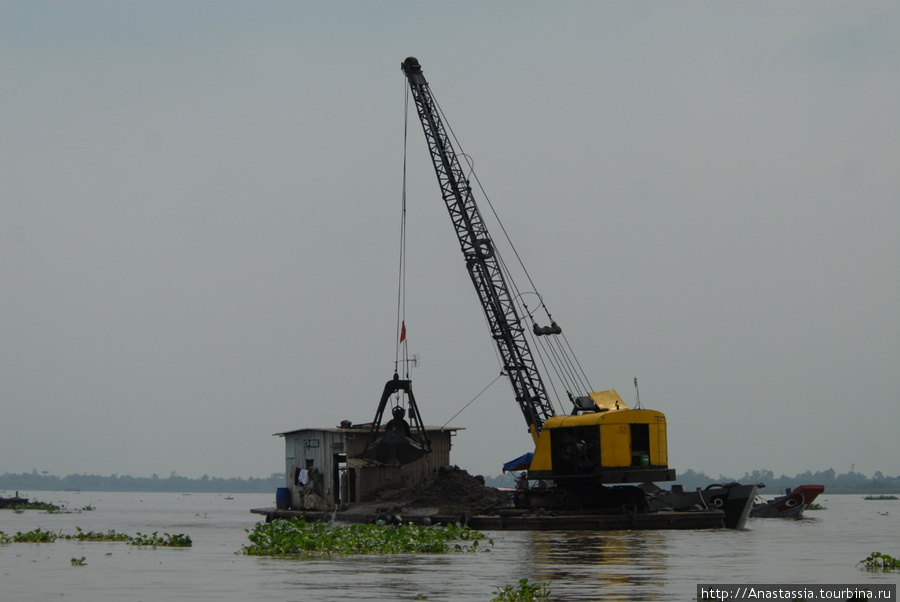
(10, 502)
(790, 505)
(734, 499)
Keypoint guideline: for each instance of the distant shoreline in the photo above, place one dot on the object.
(851, 482)
(173, 483)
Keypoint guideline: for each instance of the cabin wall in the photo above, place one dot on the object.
(309, 450)
(346, 480)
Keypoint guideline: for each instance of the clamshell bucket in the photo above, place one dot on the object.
(397, 443)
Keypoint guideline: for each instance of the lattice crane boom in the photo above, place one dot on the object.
(483, 265)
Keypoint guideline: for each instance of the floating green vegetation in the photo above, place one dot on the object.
(78, 561)
(297, 537)
(36, 536)
(48, 508)
(816, 506)
(66, 510)
(110, 535)
(881, 497)
(880, 562)
(172, 541)
(45, 506)
(40, 536)
(522, 592)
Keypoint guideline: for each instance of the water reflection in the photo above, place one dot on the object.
(619, 565)
(601, 563)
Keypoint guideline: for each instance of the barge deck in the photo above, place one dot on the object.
(513, 521)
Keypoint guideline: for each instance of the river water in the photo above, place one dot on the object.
(822, 548)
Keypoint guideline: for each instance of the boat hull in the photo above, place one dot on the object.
(514, 521)
(734, 499)
(9, 502)
(790, 505)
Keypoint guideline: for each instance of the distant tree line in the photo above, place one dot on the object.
(88, 482)
(850, 482)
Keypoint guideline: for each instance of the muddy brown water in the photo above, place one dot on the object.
(623, 565)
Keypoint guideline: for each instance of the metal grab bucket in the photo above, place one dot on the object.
(282, 498)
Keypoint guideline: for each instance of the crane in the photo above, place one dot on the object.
(602, 441)
(481, 260)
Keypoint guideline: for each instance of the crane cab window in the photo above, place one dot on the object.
(640, 444)
(575, 451)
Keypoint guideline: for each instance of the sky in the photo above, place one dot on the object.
(200, 217)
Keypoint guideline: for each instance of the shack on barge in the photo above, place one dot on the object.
(324, 470)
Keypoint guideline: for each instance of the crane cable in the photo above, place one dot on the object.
(499, 376)
(571, 360)
(401, 284)
(571, 365)
(401, 279)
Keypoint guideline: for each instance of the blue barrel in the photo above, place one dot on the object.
(282, 498)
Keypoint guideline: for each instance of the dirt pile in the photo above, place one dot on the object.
(450, 486)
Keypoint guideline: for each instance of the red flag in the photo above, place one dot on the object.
(403, 331)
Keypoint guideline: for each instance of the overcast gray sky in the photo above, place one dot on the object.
(199, 222)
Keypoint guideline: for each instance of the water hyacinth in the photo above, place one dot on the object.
(110, 535)
(35, 536)
(297, 537)
(40, 536)
(167, 540)
(880, 562)
(523, 592)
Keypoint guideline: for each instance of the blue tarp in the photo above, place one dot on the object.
(520, 463)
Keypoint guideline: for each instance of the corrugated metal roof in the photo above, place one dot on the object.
(428, 428)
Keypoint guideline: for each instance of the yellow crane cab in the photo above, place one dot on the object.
(604, 441)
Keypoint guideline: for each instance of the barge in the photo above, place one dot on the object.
(511, 519)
